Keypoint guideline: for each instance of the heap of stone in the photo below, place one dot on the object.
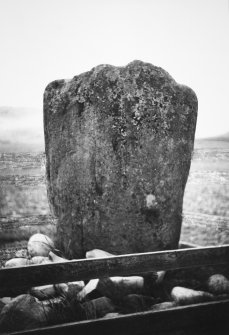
(107, 297)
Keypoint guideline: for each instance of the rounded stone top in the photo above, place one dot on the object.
(136, 80)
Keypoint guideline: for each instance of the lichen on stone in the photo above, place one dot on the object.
(114, 135)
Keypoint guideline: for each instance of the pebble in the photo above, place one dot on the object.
(163, 305)
(17, 262)
(218, 284)
(39, 245)
(186, 296)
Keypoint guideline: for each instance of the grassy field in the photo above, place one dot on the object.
(206, 199)
(207, 193)
(207, 190)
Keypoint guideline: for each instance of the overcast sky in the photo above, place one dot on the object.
(43, 40)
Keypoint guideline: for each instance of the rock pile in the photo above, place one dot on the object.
(107, 297)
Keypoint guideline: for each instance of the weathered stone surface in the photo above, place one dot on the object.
(49, 291)
(118, 142)
(23, 312)
(99, 307)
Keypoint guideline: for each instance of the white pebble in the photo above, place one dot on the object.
(17, 262)
(40, 260)
(40, 245)
(98, 253)
(186, 296)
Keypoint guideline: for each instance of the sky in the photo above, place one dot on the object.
(44, 40)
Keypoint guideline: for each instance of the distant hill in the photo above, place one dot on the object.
(21, 129)
(223, 137)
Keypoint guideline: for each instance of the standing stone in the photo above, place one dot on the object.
(118, 145)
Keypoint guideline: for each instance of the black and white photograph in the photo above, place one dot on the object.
(114, 167)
